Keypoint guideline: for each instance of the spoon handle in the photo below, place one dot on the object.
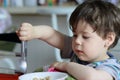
(24, 50)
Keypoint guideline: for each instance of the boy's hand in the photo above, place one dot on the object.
(60, 66)
(25, 32)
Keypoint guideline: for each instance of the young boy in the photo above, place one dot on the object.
(96, 29)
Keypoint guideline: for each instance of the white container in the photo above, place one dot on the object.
(43, 75)
(30, 3)
(17, 3)
(41, 2)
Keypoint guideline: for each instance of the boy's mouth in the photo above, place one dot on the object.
(79, 51)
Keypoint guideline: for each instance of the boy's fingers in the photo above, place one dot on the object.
(52, 65)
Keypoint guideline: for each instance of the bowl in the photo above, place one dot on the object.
(44, 76)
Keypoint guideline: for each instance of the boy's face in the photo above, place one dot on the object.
(87, 45)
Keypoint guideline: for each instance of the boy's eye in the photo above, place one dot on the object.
(85, 37)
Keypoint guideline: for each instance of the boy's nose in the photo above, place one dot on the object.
(78, 41)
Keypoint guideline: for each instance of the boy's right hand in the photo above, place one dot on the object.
(25, 32)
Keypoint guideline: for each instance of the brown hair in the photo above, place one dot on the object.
(104, 17)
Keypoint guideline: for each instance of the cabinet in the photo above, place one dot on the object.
(62, 10)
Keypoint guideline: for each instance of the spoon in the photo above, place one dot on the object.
(23, 63)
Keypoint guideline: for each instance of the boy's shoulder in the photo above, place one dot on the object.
(111, 65)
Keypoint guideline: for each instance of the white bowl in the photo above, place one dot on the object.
(42, 75)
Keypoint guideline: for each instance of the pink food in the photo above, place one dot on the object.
(52, 69)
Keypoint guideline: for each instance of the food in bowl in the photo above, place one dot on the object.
(44, 76)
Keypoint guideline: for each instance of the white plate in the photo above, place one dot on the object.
(52, 75)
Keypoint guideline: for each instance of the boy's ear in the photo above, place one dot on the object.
(110, 38)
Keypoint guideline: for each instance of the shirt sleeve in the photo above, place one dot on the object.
(113, 68)
(66, 52)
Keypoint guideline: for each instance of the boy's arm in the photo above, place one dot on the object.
(82, 72)
(42, 32)
(51, 36)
